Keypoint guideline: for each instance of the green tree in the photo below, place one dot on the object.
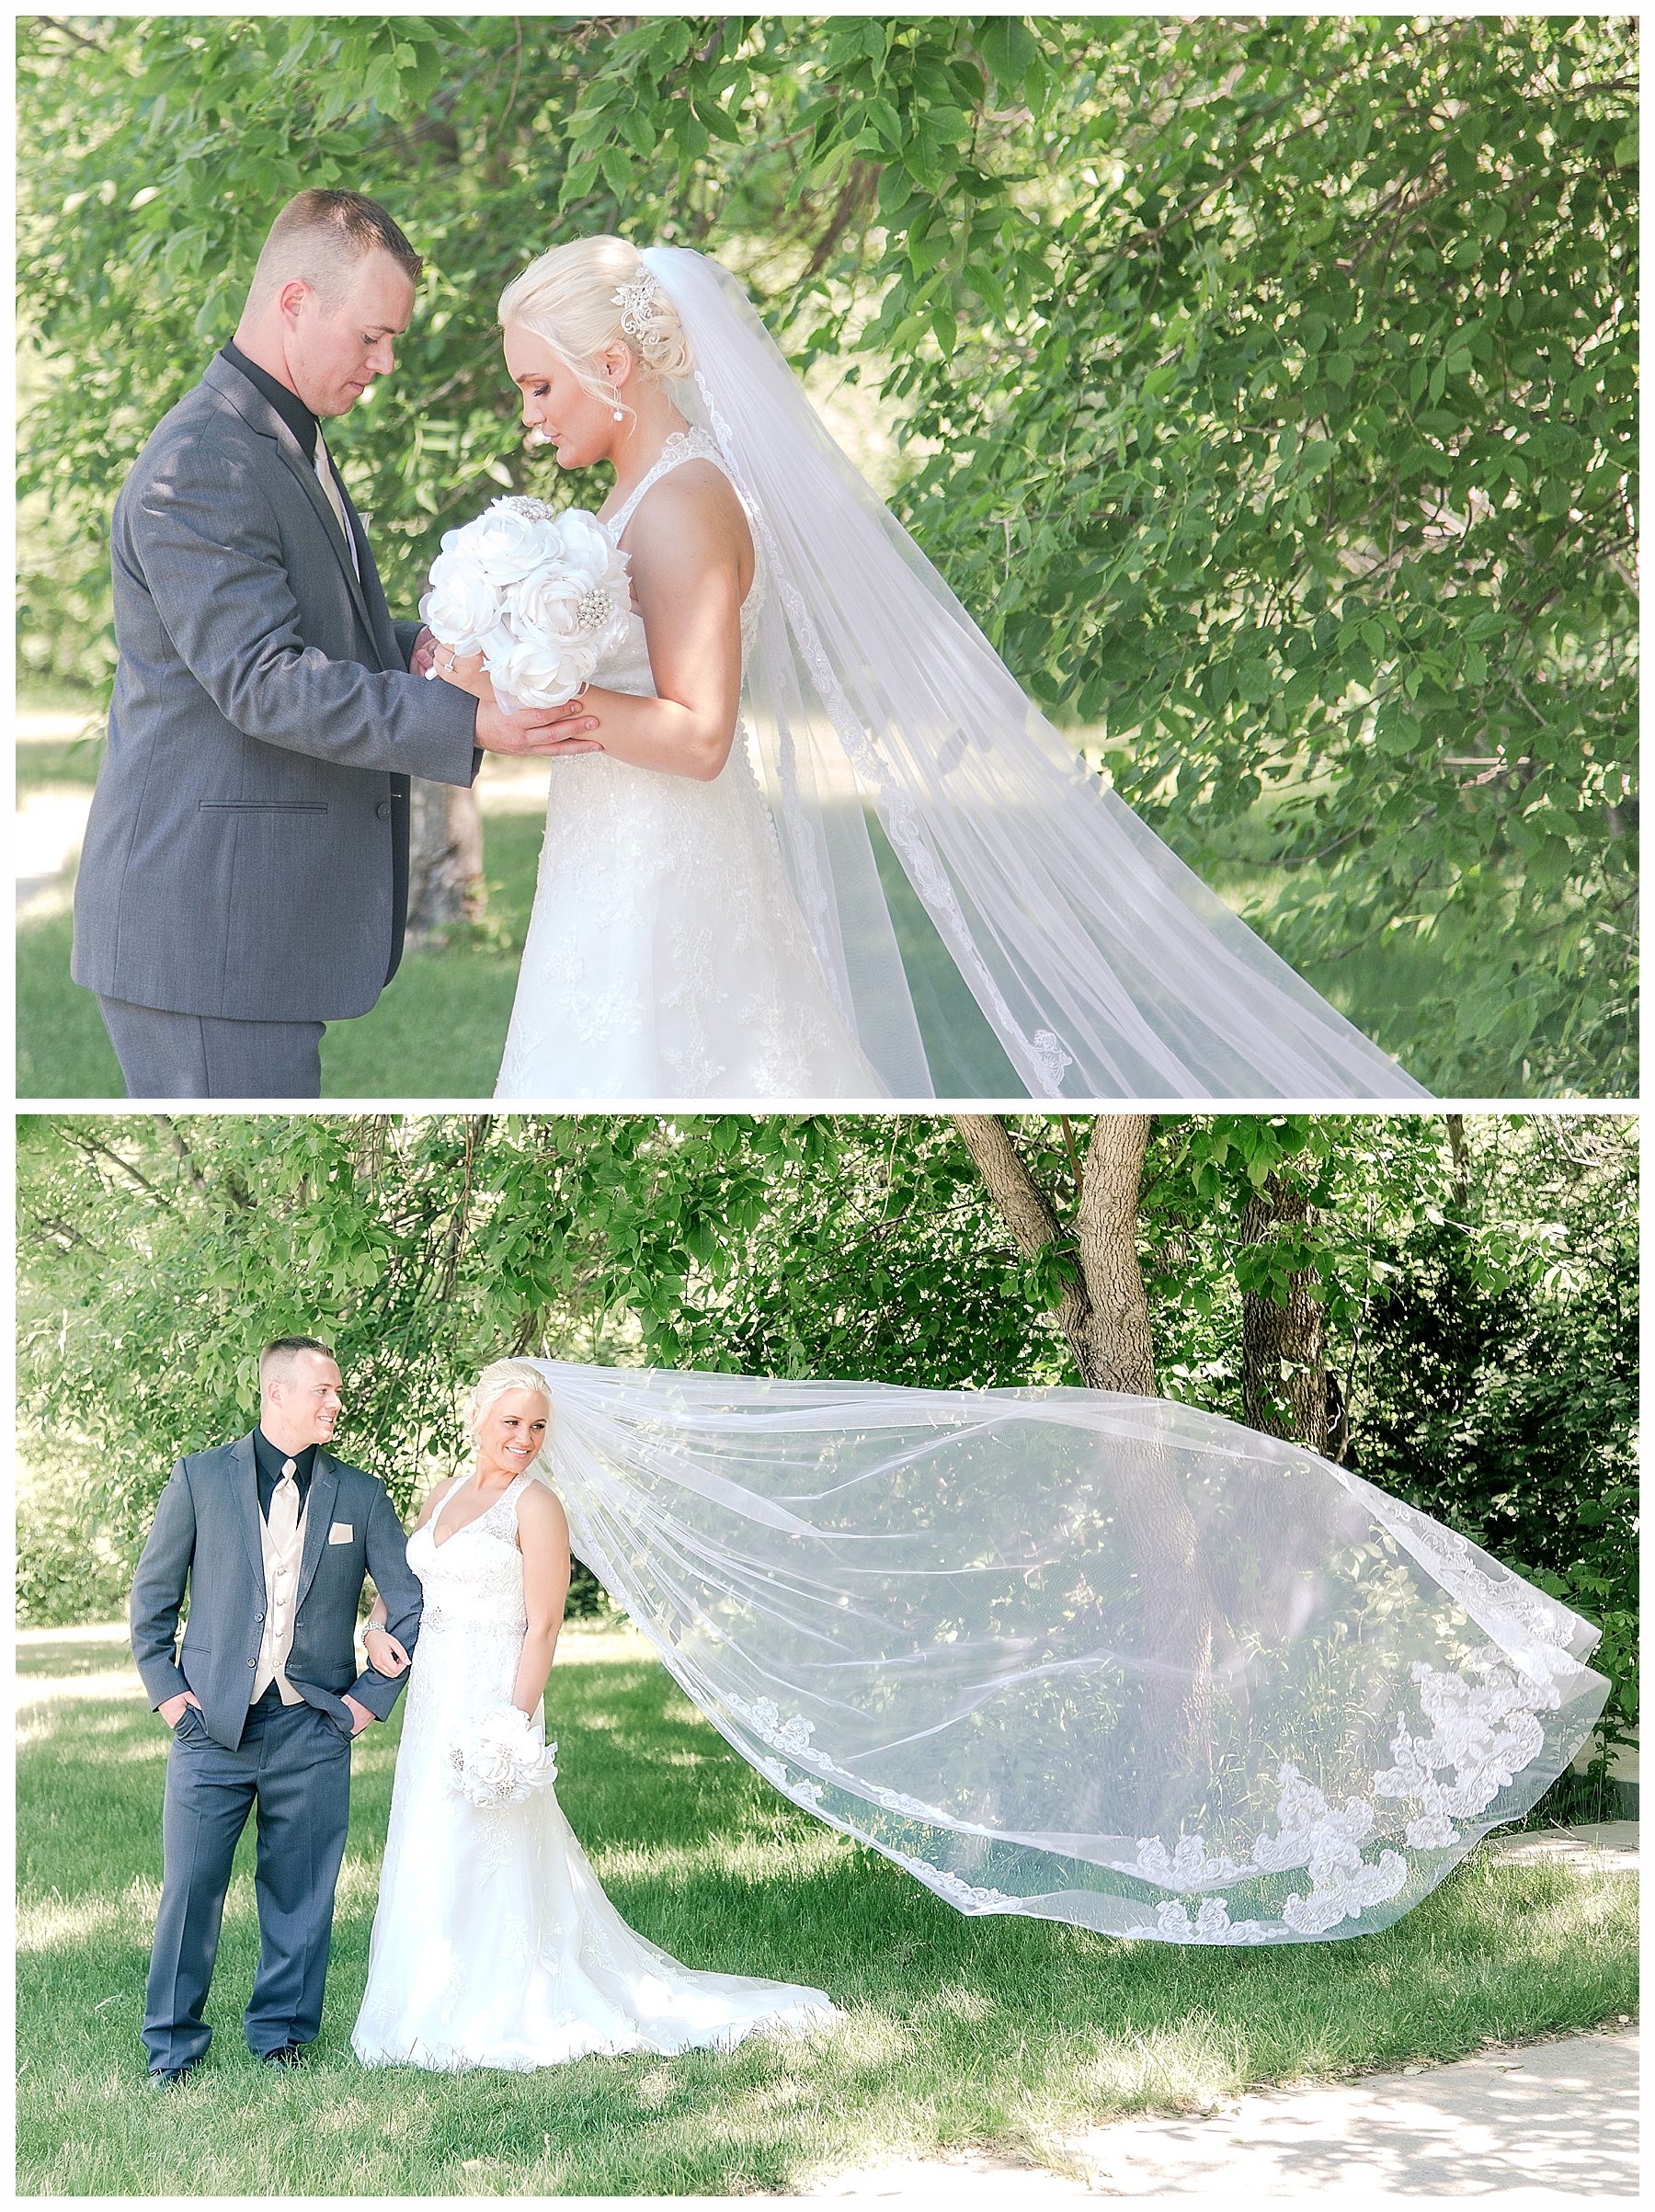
(1271, 384)
(1475, 1288)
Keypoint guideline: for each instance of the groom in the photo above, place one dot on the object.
(273, 1537)
(245, 876)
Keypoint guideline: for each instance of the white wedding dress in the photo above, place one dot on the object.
(666, 956)
(494, 1943)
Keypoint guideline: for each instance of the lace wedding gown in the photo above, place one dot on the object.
(494, 1943)
(666, 956)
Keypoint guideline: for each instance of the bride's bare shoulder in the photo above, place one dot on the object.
(692, 506)
(541, 1523)
(540, 1508)
(433, 1499)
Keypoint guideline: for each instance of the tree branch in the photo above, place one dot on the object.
(171, 1134)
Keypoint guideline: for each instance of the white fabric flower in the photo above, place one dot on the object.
(542, 672)
(592, 555)
(463, 605)
(541, 596)
(543, 606)
(507, 543)
(502, 1761)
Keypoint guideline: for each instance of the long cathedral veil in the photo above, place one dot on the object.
(1026, 933)
(1096, 1659)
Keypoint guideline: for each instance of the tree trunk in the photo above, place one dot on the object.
(1456, 1147)
(477, 1126)
(1283, 1347)
(1106, 1316)
(1120, 1355)
(445, 858)
(1104, 1313)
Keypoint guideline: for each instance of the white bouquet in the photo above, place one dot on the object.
(542, 596)
(502, 1761)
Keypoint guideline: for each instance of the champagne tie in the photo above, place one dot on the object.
(284, 1506)
(324, 476)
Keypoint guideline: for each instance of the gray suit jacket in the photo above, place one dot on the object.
(242, 855)
(205, 1537)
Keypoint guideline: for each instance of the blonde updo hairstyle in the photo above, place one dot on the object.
(496, 1380)
(567, 298)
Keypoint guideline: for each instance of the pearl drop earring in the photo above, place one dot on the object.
(620, 413)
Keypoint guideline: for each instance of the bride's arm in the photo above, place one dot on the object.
(691, 562)
(390, 1657)
(692, 555)
(543, 1540)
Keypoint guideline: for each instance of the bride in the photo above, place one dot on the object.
(494, 1943)
(1091, 1657)
(807, 837)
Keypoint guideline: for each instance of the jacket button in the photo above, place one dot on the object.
(384, 810)
(249, 1662)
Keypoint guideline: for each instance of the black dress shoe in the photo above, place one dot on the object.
(287, 2053)
(169, 2077)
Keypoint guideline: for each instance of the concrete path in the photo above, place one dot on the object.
(1610, 1847)
(1531, 2125)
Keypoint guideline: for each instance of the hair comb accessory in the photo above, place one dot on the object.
(639, 319)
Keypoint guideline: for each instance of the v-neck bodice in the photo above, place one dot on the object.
(473, 1577)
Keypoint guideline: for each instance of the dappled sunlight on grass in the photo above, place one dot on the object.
(54, 1923)
(62, 1658)
(108, 1683)
(1168, 2066)
(997, 2030)
(750, 1862)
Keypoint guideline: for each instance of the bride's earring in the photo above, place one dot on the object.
(620, 413)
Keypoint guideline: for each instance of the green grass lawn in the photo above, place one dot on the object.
(439, 1031)
(991, 2031)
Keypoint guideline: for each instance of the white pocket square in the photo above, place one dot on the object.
(341, 1532)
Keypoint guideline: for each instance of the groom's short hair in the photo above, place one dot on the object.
(318, 236)
(277, 1356)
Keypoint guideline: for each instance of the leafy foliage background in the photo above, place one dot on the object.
(1268, 386)
(1481, 1303)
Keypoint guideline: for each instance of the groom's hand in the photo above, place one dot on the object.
(535, 729)
(360, 1716)
(171, 1709)
(424, 657)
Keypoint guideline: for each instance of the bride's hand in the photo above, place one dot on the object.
(463, 670)
(390, 1658)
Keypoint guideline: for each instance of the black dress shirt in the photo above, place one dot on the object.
(270, 1462)
(287, 404)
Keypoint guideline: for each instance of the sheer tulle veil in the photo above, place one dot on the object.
(1104, 1660)
(1021, 932)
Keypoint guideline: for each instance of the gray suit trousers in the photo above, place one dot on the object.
(294, 1765)
(166, 1056)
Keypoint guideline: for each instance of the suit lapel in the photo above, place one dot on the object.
(288, 446)
(243, 1470)
(262, 418)
(323, 1489)
(383, 633)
